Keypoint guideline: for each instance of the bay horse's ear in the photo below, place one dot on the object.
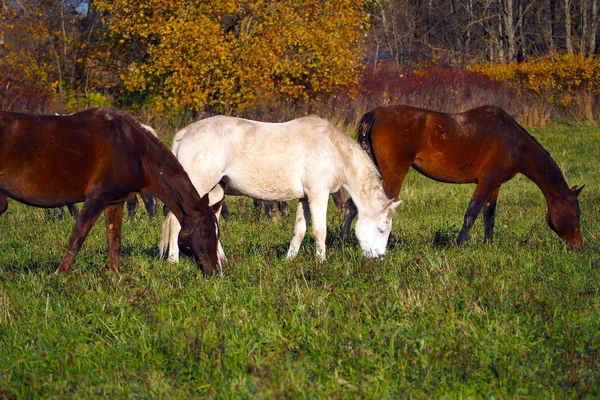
(204, 202)
(217, 206)
(576, 190)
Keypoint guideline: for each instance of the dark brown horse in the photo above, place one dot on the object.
(100, 157)
(485, 146)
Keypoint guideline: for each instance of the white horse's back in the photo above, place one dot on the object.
(263, 160)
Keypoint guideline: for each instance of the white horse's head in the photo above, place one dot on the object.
(372, 231)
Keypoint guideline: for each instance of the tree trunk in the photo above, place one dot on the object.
(593, 29)
(509, 27)
(584, 26)
(568, 41)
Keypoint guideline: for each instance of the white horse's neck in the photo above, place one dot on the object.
(361, 178)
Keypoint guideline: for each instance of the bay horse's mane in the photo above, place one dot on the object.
(535, 141)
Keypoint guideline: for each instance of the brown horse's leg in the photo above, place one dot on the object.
(258, 204)
(73, 210)
(351, 212)
(225, 210)
(87, 218)
(481, 194)
(149, 202)
(269, 208)
(338, 199)
(489, 215)
(114, 221)
(132, 205)
(283, 208)
(3, 203)
(59, 212)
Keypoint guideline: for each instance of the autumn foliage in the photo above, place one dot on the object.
(224, 56)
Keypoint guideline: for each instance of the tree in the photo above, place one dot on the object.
(223, 56)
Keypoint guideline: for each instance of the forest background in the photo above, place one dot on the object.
(170, 62)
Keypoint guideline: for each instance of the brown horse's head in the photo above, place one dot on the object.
(563, 218)
(199, 237)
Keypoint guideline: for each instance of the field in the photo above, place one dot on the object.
(519, 318)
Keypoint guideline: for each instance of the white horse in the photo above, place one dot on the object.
(306, 158)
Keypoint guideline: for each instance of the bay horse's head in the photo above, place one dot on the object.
(563, 218)
(373, 231)
(199, 237)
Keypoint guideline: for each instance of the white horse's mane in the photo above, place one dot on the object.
(354, 155)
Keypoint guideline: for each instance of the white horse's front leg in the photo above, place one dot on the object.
(174, 227)
(302, 220)
(214, 196)
(318, 210)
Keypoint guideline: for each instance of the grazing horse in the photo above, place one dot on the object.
(148, 198)
(485, 146)
(100, 157)
(306, 159)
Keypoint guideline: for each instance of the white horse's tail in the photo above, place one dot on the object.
(170, 230)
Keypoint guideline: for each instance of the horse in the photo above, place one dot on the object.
(485, 146)
(100, 157)
(148, 198)
(306, 158)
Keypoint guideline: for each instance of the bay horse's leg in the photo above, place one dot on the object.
(302, 220)
(114, 224)
(269, 209)
(351, 212)
(318, 211)
(338, 199)
(165, 210)
(258, 204)
(132, 206)
(489, 215)
(150, 202)
(283, 208)
(73, 210)
(3, 203)
(481, 194)
(92, 208)
(225, 211)
(59, 212)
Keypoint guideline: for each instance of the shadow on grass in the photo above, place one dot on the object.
(445, 237)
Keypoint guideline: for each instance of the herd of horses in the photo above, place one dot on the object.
(104, 158)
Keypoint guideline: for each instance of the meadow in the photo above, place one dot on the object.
(517, 318)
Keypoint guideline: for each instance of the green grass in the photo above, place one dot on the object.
(519, 318)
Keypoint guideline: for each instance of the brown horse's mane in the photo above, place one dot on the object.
(538, 143)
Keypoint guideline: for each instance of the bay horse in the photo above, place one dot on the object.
(100, 157)
(306, 158)
(485, 146)
(148, 198)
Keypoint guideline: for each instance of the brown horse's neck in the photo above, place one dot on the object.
(544, 172)
(168, 181)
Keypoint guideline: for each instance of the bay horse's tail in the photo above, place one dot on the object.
(364, 135)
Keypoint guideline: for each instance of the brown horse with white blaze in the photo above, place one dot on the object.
(100, 157)
(485, 146)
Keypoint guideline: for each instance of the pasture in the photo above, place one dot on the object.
(519, 318)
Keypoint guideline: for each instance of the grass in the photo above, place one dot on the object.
(519, 318)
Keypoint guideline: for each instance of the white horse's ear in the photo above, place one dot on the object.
(395, 205)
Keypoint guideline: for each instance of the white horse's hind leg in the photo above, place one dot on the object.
(318, 210)
(302, 220)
